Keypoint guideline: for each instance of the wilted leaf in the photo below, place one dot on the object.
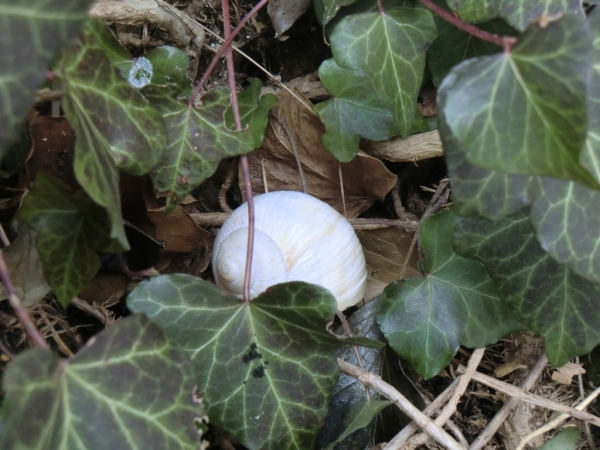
(105, 289)
(426, 319)
(116, 127)
(294, 129)
(453, 46)
(354, 112)
(178, 230)
(565, 374)
(565, 440)
(385, 251)
(69, 230)
(30, 35)
(547, 297)
(283, 13)
(129, 388)
(254, 111)
(25, 268)
(266, 368)
(523, 111)
(197, 141)
(390, 50)
(518, 13)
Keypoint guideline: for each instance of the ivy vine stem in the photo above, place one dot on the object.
(244, 158)
(226, 44)
(19, 309)
(506, 42)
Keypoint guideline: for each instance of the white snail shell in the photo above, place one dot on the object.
(297, 238)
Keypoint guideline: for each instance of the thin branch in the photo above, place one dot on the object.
(380, 6)
(514, 391)
(557, 421)
(505, 42)
(238, 126)
(224, 47)
(371, 380)
(19, 309)
(506, 409)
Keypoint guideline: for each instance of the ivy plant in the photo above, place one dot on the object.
(518, 113)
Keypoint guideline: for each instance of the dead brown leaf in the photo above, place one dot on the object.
(283, 13)
(527, 348)
(293, 129)
(179, 232)
(106, 288)
(385, 252)
(565, 374)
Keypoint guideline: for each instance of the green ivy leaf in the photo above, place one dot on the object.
(30, 35)
(170, 65)
(360, 415)
(519, 13)
(590, 155)
(266, 368)
(524, 112)
(565, 440)
(353, 112)
(69, 230)
(329, 8)
(116, 127)
(254, 111)
(453, 46)
(389, 49)
(197, 141)
(426, 319)
(129, 388)
(547, 297)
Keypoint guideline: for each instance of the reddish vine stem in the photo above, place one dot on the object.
(380, 6)
(505, 42)
(224, 47)
(244, 158)
(19, 309)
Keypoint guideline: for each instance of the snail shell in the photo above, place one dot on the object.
(297, 238)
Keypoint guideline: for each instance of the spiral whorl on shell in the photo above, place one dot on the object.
(297, 238)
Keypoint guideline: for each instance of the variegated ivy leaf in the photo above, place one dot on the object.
(389, 49)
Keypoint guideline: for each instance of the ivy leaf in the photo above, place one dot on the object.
(30, 35)
(69, 230)
(254, 111)
(524, 112)
(590, 155)
(565, 440)
(519, 13)
(170, 65)
(116, 127)
(561, 211)
(389, 49)
(129, 388)
(453, 46)
(266, 368)
(327, 9)
(353, 112)
(360, 415)
(426, 319)
(546, 296)
(197, 141)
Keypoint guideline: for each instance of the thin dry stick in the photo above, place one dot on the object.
(4, 237)
(586, 426)
(296, 155)
(348, 331)
(491, 428)
(557, 421)
(412, 427)
(450, 407)
(342, 188)
(225, 187)
(264, 175)
(18, 308)
(371, 380)
(238, 127)
(514, 391)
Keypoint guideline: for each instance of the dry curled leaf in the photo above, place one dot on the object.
(565, 374)
(179, 231)
(294, 129)
(283, 13)
(385, 252)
